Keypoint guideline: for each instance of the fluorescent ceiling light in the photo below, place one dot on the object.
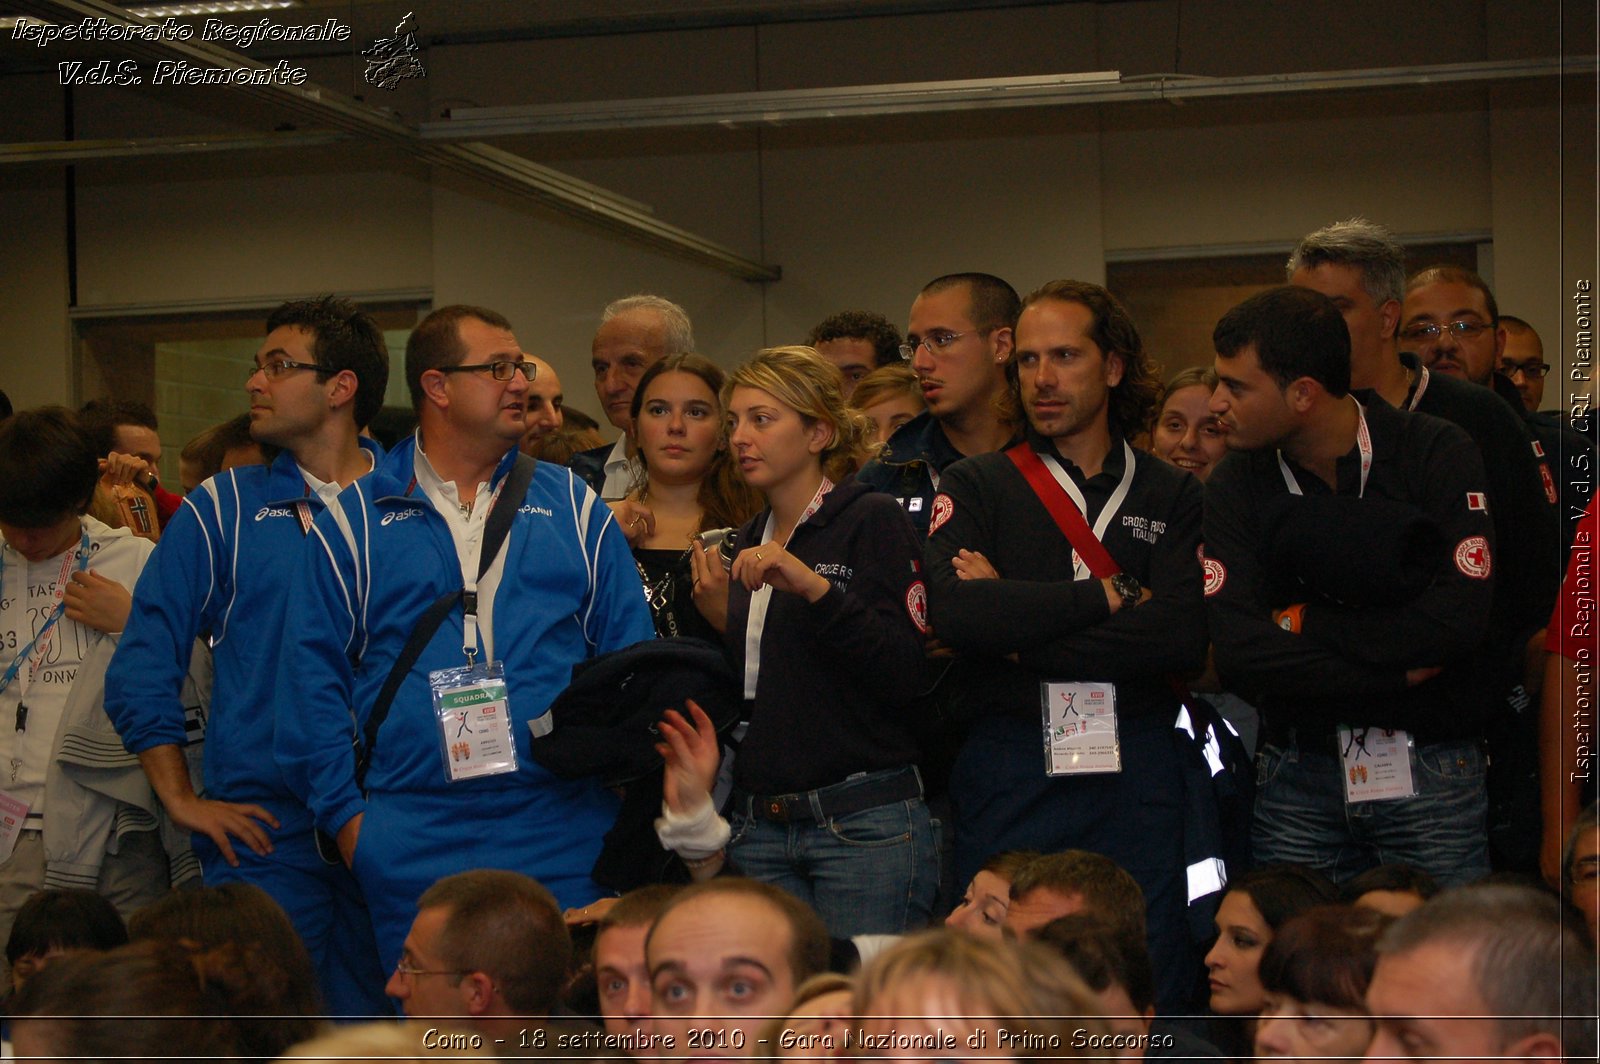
(211, 7)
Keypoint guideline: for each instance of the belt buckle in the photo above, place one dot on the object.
(777, 810)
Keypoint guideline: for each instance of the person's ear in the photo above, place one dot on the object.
(342, 388)
(1004, 339)
(1302, 394)
(477, 993)
(1389, 314)
(1116, 366)
(1541, 1045)
(433, 388)
(821, 436)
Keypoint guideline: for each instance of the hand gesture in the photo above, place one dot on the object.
(970, 565)
(125, 469)
(96, 600)
(219, 820)
(635, 519)
(692, 754)
(710, 584)
(770, 565)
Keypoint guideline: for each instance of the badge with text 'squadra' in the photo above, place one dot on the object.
(474, 716)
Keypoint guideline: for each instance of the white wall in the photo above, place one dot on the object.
(856, 213)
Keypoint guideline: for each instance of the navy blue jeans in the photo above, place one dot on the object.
(873, 872)
(1302, 817)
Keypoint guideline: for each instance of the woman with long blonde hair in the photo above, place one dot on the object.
(826, 618)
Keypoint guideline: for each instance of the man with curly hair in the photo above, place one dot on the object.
(857, 342)
(1087, 624)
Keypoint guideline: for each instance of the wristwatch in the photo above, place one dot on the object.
(1128, 587)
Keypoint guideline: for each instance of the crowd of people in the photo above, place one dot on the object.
(1241, 702)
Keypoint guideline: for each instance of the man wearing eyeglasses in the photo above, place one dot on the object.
(1361, 267)
(1452, 322)
(1522, 361)
(222, 573)
(488, 946)
(451, 782)
(958, 340)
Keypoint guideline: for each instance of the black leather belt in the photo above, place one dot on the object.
(836, 800)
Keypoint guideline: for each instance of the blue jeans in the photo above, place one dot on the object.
(871, 872)
(1301, 815)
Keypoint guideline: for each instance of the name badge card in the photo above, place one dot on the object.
(1080, 728)
(474, 714)
(1377, 764)
(13, 811)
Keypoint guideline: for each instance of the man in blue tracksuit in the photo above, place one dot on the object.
(561, 588)
(221, 571)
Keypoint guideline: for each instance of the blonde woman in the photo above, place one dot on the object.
(947, 994)
(826, 618)
(889, 396)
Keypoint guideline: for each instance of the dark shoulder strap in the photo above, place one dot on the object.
(495, 529)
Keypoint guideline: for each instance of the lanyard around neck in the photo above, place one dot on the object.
(756, 622)
(41, 639)
(1363, 445)
(1080, 570)
(1422, 386)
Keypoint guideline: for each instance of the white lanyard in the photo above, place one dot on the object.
(1363, 444)
(1422, 386)
(1080, 571)
(761, 598)
(469, 580)
(39, 646)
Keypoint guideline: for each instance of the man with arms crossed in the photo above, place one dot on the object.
(1010, 591)
(1373, 695)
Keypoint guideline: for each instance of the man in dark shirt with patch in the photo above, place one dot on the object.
(958, 342)
(1360, 266)
(1365, 650)
(1084, 634)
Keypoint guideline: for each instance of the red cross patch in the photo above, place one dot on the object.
(1472, 557)
(917, 607)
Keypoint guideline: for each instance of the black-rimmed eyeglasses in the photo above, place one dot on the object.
(500, 369)
(277, 367)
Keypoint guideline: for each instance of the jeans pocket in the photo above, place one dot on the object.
(1268, 763)
(738, 824)
(883, 825)
(1451, 761)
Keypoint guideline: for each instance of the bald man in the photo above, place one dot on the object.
(544, 405)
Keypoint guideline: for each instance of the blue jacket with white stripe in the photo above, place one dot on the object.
(223, 571)
(373, 564)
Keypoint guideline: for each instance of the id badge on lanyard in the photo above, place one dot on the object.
(470, 702)
(473, 712)
(1080, 729)
(13, 810)
(1376, 763)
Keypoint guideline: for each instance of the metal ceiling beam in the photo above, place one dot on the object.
(325, 108)
(60, 152)
(735, 110)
